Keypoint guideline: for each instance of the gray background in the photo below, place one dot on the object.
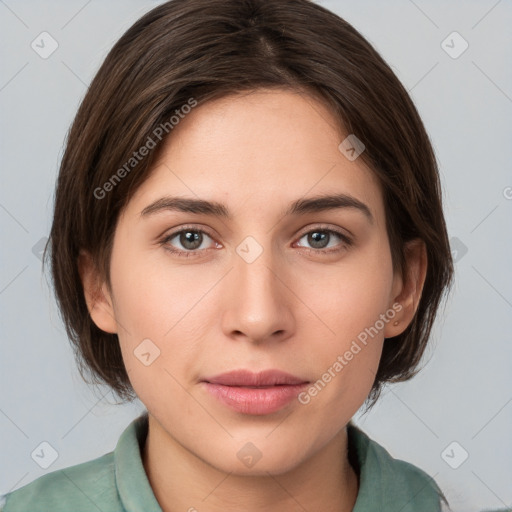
(464, 393)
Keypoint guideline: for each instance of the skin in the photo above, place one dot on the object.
(290, 309)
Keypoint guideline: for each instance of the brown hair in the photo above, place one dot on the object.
(206, 49)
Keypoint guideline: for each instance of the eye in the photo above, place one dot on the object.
(193, 241)
(321, 238)
(190, 239)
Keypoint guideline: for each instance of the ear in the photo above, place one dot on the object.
(407, 290)
(97, 296)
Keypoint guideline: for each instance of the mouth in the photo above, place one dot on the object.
(260, 393)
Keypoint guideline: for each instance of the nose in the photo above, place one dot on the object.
(259, 302)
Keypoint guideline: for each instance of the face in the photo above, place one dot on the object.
(196, 294)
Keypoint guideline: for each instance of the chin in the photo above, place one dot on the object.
(256, 458)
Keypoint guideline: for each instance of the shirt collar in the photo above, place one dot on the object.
(381, 477)
(386, 483)
(132, 482)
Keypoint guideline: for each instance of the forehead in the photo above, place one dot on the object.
(255, 152)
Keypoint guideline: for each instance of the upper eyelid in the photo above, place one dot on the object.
(187, 228)
(324, 227)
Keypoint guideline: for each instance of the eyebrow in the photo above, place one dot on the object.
(301, 206)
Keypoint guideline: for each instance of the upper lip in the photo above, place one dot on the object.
(248, 378)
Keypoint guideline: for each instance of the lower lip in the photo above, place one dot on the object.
(256, 401)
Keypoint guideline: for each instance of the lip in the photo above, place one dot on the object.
(255, 393)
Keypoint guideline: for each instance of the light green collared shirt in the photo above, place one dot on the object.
(117, 482)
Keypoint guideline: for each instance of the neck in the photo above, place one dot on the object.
(181, 481)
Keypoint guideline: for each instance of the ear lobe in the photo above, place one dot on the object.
(412, 287)
(97, 297)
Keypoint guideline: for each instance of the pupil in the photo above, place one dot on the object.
(318, 239)
(189, 239)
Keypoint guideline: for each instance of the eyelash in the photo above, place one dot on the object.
(347, 242)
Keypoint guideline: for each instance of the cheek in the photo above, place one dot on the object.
(159, 313)
(350, 297)
(349, 301)
(154, 297)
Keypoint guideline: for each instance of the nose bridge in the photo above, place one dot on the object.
(255, 267)
(258, 306)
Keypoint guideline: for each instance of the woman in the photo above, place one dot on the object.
(248, 236)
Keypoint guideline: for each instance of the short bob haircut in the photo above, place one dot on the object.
(208, 49)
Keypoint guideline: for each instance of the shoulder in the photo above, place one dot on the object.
(403, 473)
(390, 481)
(87, 486)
